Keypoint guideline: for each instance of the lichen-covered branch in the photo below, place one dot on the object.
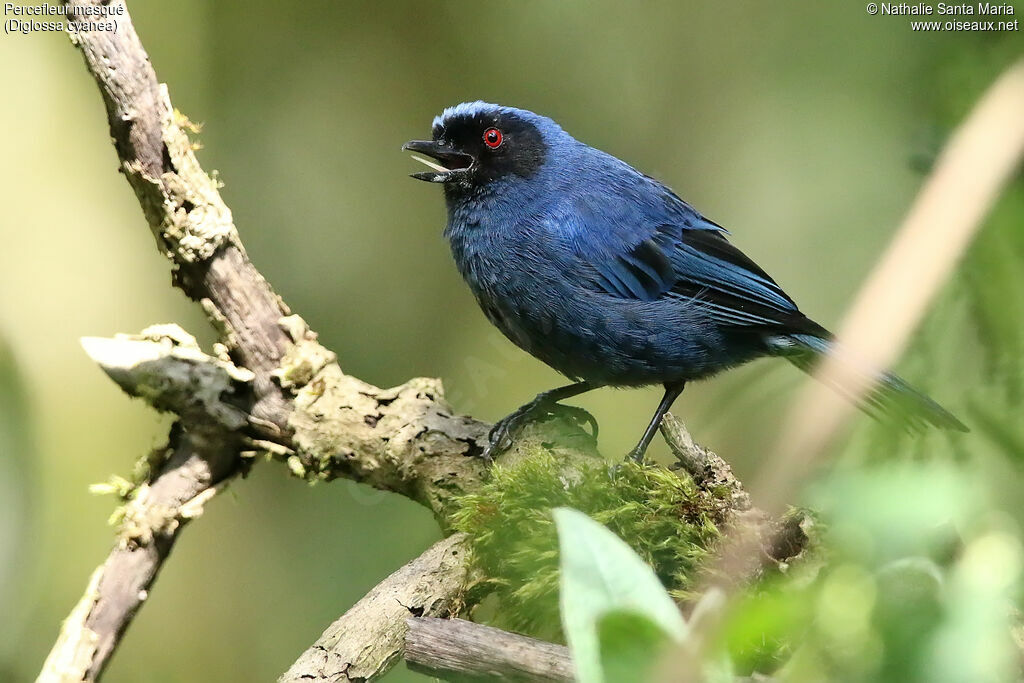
(271, 387)
(459, 650)
(182, 204)
(194, 230)
(368, 639)
(405, 439)
(164, 366)
(706, 467)
(193, 469)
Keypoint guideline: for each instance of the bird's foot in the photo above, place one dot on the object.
(636, 454)
(505, 430)
(579, 417)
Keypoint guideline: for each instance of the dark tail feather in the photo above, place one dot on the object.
(892, 397)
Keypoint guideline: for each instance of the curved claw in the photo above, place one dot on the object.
(578, 415)
(505, 430)
(636, 455)
(503, 433)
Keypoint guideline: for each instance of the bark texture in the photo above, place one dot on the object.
(458, 650)
(369, 638)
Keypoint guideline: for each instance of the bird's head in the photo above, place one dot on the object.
(475, 144)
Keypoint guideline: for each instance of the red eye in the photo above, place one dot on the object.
(492, 138)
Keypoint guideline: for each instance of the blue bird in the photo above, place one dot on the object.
(607, 275)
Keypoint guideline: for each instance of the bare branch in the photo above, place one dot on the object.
(367, 640)
(458, 650)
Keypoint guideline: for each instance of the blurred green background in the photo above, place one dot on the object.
(802, 127)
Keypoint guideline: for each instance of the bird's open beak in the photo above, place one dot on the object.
(452, 165)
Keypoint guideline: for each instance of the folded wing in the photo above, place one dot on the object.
(675, 253)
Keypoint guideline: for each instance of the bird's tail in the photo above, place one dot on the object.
(891, 397)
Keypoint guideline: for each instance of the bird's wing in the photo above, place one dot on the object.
(733, 289)
(630, 249)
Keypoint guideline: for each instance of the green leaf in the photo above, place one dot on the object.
(601, 575)
(629, 644)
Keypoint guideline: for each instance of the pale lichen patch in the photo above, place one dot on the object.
(165, 367)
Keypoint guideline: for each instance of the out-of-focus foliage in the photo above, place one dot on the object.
(16, 477)
(971, 346)
(793, 124)
(920, 585)
(665, 518)
(924, 573)
(616, 615)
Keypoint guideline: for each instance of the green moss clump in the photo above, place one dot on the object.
(664, 516)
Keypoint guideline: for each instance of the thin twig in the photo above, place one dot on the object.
(705, 466)
(459, 650)
(776, 541)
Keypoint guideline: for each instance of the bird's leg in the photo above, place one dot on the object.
(672, 392)
(507, 428)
